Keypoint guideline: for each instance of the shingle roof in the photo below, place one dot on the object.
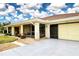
(61, 16)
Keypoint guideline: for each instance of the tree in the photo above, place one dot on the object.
(2, 26)
(6, 23)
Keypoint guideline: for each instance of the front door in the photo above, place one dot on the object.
(54, 31)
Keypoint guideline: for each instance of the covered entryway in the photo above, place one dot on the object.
(42, 30)
(16, 31)
(28, 30)
(54, 31)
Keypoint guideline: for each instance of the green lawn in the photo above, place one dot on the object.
(6, 39)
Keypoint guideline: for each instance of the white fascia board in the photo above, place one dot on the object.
(70, 19)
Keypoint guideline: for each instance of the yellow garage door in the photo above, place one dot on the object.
(68, 31)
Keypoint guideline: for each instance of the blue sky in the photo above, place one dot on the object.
(15, 12)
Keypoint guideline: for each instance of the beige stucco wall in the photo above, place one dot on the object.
(68, 31)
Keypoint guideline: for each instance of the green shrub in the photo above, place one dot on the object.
(23, 36)
(8, 34)
(19, 35)
(1, 31)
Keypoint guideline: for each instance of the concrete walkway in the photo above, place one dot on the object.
(18, 43)
(49, 47)
(2, 34)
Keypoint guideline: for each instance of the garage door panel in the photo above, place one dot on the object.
(69, 31)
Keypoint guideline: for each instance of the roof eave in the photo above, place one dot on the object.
(65, 20)
(26, 22)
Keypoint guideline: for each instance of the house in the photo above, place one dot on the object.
(63, 26)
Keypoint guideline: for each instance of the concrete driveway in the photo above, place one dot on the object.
(48, 47)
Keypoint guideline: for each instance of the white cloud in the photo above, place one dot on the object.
(20, 3)
(14, 14)
(56, 8)
(70, 10)
(38, 5)
(20, 17)
(3, 13)
(26, 19)
(35, 5)
(8, 18)
(59, 11)
(2, 5)
(57, 5)
(10, 8)
(1, 17)
(29, 7)
(73, 10)
(44, 14)
(52, 9)
(2, 8)
(37, 14)
(16, 20)
(26, 11)
(76, 5)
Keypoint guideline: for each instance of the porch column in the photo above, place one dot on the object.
(7, 29)
(21, 29)
(47, 30)
(12, 30)
(37, 31)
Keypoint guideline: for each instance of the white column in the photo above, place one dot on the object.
(12, 30)
(3, 31)
(7, 29)
(37, 31)
(21, 29)
(47, 30)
